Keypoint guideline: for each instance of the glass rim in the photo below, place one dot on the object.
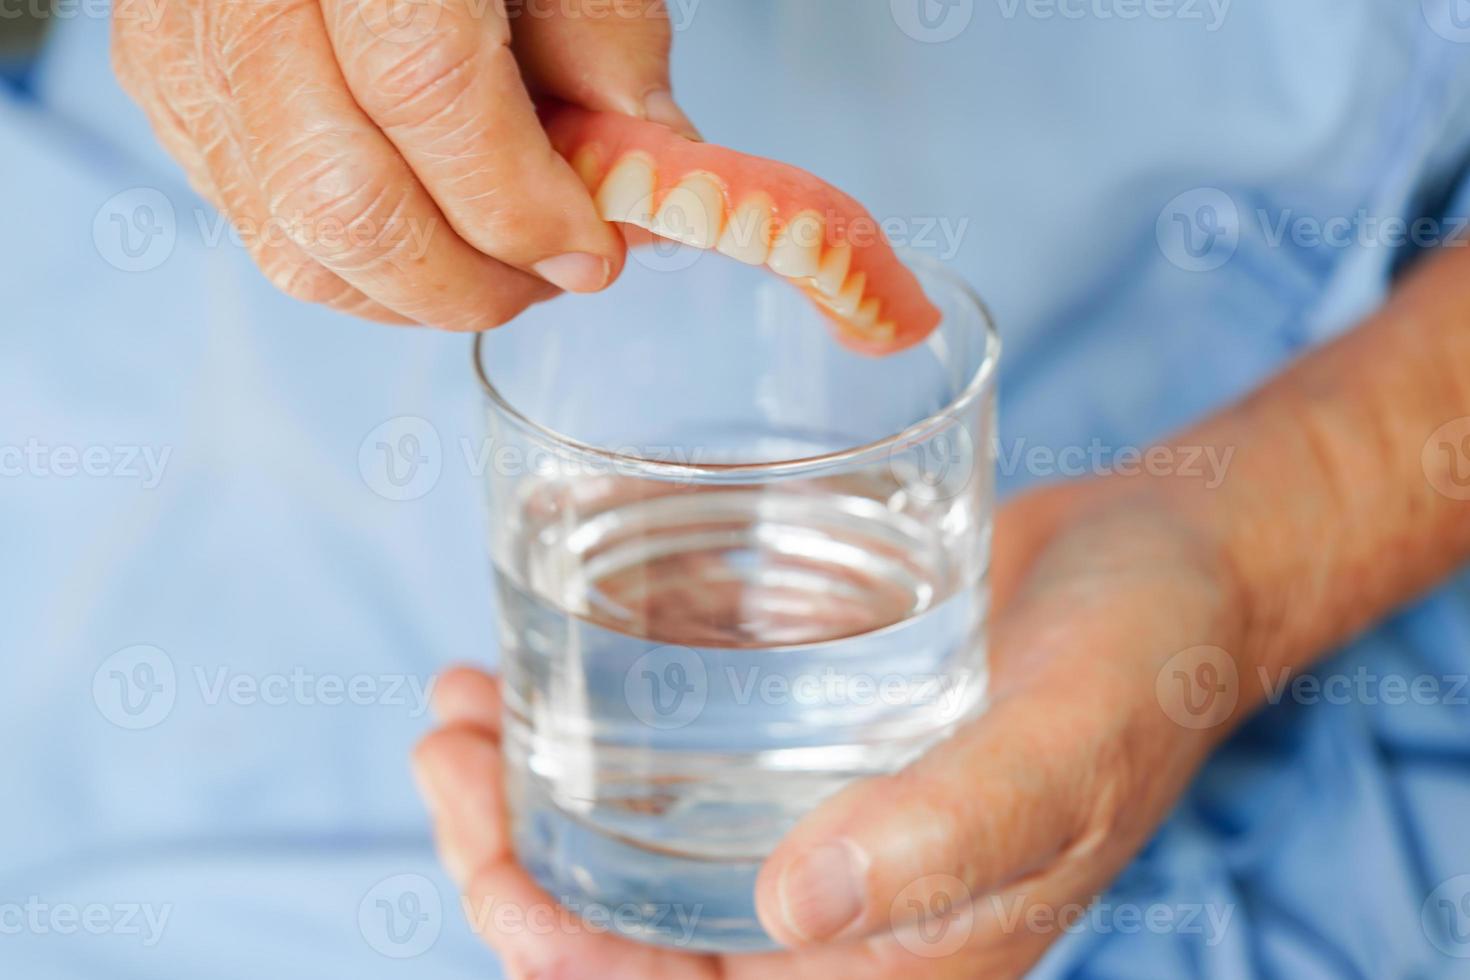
(980, 381)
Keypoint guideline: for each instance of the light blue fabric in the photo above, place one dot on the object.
(270, 833)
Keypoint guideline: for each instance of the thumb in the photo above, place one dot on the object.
(992, 805)
(612, 57)
(1040, 777)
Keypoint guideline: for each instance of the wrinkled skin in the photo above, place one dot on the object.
(384, 157)
(1037, 804)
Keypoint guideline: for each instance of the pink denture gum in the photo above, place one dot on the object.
(754, 210)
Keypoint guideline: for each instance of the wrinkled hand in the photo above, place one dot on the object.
(961, 865)
(384, 157)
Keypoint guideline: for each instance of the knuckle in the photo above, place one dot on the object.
(238, 29)
(341, 208)
(435, 744)
(1107, 796)
(407, 87)
(945, 816)
(302, 279)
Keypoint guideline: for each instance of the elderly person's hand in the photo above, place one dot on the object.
(384, 157)
(1137, 619)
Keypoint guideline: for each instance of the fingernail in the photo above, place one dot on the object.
(659, 106)
(822, 892)
(576, 272)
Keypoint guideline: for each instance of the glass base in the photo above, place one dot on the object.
(683, 903)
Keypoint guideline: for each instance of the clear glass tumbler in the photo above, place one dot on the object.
(737, 567)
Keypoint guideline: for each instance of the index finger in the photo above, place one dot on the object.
(446, 89)
(340, 187)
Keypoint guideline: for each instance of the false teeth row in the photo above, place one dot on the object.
(693, 212)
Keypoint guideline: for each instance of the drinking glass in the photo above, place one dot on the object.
(737, 567)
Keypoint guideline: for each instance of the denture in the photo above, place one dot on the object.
(757, 211)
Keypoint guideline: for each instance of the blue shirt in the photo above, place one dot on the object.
(1163, 201)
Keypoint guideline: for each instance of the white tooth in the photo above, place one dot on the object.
(833, 270)
(747, 236)
(822, 299)
(587, 162)
(798, 247)
(845, 303)
(691, 212)
(626, 193)
(866, 315)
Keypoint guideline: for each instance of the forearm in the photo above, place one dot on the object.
(1332, 512)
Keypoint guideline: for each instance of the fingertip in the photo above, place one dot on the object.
(576, 272)
(464, 693)
(459, 774)
(457, 767)
(818, 896)
(659, 106)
